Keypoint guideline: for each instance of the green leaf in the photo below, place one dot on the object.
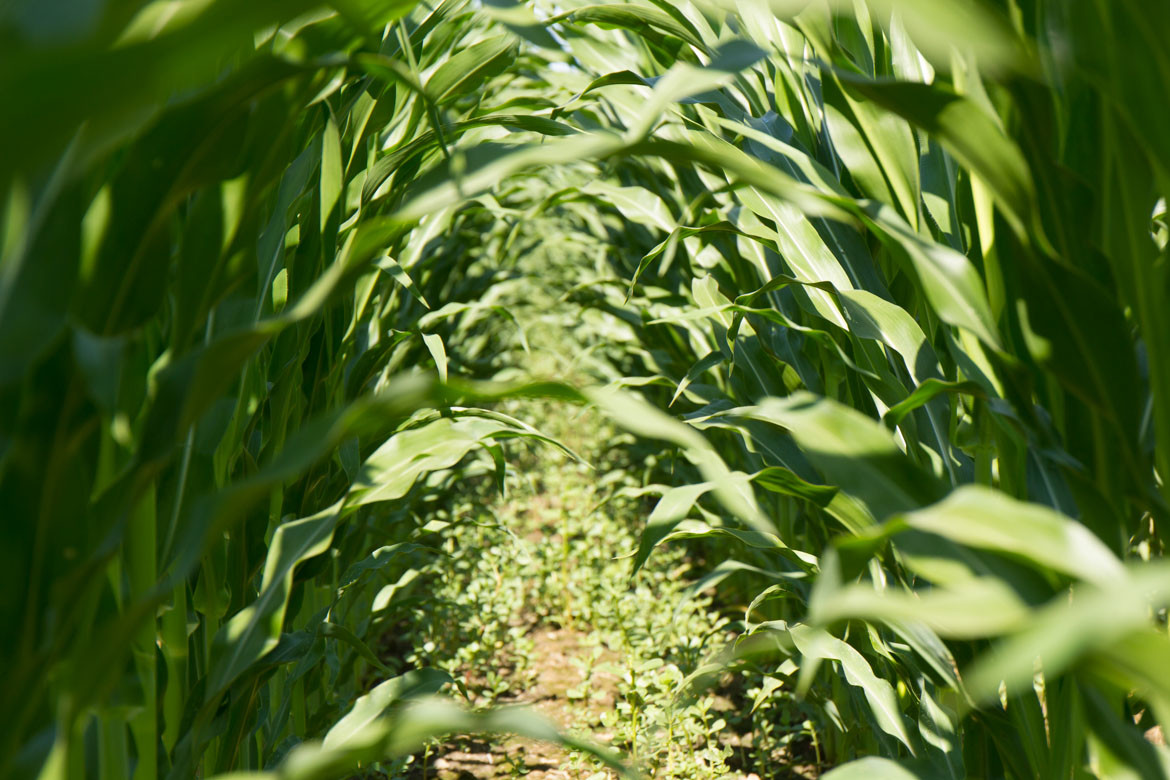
(939, 29)
(331, 170)
(949, 280)
(781, 480)
(650, 23)
(732, 489)
(931, 388)
(979, 517)
(335, 631)
(361, 727)
(256, 629)
(438, 352)
(390, 471)
(879, 150)
(1067, 629)
(975, 608)
(521, 21)
(469, 68)
(674, 505)
(399, 274)
(815, 644)
(114, 91)
(853, 451)
(873, 768)
(969, 133)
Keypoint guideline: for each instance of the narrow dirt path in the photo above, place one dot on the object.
(532, 603)
(553, 653)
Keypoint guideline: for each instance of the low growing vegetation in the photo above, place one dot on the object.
(791, 378)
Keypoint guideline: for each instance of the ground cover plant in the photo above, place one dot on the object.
(532, 602)
(877, 286)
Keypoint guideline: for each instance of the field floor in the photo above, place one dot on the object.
(536, 606)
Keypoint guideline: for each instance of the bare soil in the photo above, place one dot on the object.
(554, 675)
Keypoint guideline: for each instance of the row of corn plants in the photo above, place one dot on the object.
(896, 265)
(930, 338)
